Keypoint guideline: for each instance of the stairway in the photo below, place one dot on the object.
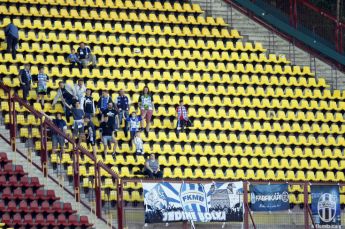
(253, 31)
(48, 183)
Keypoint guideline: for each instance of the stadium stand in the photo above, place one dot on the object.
(255, 116)
(24, 202)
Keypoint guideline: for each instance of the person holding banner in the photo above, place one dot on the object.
(152, 169)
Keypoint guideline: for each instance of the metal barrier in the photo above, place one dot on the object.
(63, 169)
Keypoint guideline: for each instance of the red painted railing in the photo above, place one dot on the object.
(303, 14)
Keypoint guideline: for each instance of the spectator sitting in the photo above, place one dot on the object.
(139, 145)
(107, 135)
(152, 169)
(42, 80)
(104, 101)
(89, 104)
(74, 60)
(25, 80)
(85, 56)
(134, 122)
(78, 124)
(182, 117)
(12, 38)
(80, 90)
(67, 95)
(58, 140)
(90, 132)
(122, 103)
(113, 117)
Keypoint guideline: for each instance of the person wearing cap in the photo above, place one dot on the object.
(67, 95)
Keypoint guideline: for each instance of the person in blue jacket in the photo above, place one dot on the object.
(12, 38)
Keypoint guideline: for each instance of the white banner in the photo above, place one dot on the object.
(211, 202)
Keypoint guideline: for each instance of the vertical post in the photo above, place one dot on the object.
(306, 206)
(341, 39)
(120, 203)
(43, 153)
(98, 190)
(293, 13)
(76, 177)
(14, 127)
(245, 204)
(10, 109)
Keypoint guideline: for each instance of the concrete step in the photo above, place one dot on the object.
(258, 33)
(49, 184)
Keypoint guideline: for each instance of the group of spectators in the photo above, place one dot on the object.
(78, 103)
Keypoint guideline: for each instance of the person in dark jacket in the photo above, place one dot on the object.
(122, 103)
(25, 80)
(89, 104)
(85, 55)
(12, 38)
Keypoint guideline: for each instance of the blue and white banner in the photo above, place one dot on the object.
(325, 206)
(212, 202)
(270, 197)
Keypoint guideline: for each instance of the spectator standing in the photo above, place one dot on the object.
(113, 118)
(67, 95)
(182, 117)
(139, 145)
(12, 38)
(152, 169)
(42, 87)
(85, 55)
(25, 81)
(146, 108)
(89, 104)
(80, 90)
(90, 132)
(103, 101)
(58, 140)
(123, 102)
(78, 124)
(107, 135)
(73, 59)
(134, 122)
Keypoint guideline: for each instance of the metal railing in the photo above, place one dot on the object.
(44, 125)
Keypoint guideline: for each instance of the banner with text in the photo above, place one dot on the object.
(270, 197)
(325, 206)
(174, 202)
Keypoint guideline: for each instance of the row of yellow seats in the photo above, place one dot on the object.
(126, 5)
(141, 17)
(146, 52)
(210, 94)
(235, 150)
(284, 138)
(168, 42)
(125, 77)
(166, 30)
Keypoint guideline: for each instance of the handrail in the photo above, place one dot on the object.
(311, 217)
(251, 215)
(318, 10)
